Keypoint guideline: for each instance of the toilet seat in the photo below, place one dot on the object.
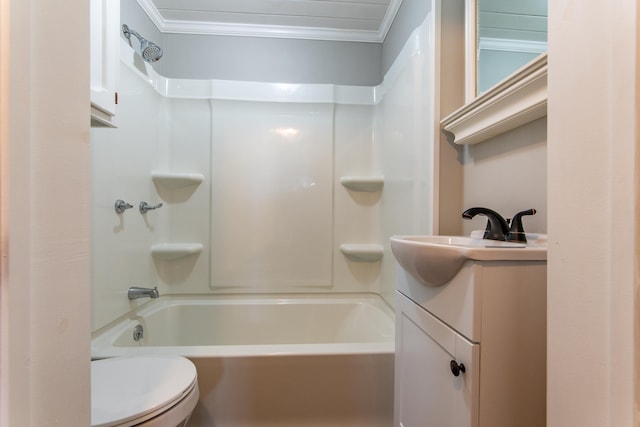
(126, 391)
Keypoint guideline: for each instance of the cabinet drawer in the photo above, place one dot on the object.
(427, 392)
(481, 293)
(456, 303)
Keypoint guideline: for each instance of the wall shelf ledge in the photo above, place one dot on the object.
(174, 251)
(368, 184)
(519, 99)
(362, 252)
(177, 179)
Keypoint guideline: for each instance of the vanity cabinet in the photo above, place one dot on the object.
(427, 392)
(491, 319)
(104, 57)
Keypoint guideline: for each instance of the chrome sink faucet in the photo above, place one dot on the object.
(498, 227)
(136, 292)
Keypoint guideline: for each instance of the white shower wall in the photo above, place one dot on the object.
(405, 144)
(271, 196)
(270, 213)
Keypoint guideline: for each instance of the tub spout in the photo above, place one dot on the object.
(136, 292)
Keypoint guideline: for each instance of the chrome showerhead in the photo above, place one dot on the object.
(149, 51)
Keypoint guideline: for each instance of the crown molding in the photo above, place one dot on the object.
(271, 31)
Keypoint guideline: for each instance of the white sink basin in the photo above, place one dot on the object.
(434, 260)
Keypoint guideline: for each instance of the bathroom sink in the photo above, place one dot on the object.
(434, 260)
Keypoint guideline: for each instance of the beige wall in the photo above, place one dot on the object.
(593, 224)
(508, 174)
(44, 147)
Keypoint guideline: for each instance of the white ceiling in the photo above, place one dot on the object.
(346, 20)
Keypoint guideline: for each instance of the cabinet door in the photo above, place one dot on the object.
(105, 57)
(427, 394)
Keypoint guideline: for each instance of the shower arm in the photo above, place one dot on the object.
(128, 32)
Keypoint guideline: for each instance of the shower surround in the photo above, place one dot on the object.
(266, 211)
(271, 191)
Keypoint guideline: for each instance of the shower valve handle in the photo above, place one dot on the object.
(146, 207)
(122, 206)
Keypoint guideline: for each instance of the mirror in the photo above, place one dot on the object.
(508, 35)
(505, 69)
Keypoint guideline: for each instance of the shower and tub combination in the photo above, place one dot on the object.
(271, 359)
(270, 252)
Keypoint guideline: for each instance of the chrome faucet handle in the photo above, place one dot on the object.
(122, 206)
(146, 207)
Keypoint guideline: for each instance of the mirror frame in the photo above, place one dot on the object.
(518, 99)
(470, 50)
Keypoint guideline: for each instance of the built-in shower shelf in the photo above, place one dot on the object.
(362, 252)
(367, 184)
(173, 251)
(177, 179)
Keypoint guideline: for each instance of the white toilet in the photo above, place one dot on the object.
(149, 391)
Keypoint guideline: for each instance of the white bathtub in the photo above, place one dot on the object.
(286, 360)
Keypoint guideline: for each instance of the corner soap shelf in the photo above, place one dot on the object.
(368, 184)
(173, 251)
(362, 252)
(177, 179)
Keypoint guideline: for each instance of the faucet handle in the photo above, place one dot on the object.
(146, 207)
(516, 232)
(121, 206)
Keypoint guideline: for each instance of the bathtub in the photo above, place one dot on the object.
(284, 360)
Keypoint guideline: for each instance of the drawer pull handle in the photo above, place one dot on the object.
(456, 368)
